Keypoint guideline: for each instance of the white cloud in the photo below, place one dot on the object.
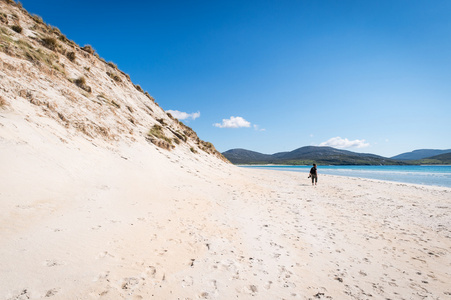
(183, 115)
(338, 142)
(233, 122)
(257, 128)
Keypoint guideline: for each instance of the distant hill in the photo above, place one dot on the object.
(243, 156)
(442, 159)
(420, 154)
(308, 155)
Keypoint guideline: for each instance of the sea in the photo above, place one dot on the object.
(426, 175)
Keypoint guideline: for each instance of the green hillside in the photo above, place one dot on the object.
(442, 159)
(308, 155)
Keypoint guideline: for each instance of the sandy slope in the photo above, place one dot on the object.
(86, 221)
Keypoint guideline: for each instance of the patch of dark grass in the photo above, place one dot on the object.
(162, 122)
(3, 18)
(149, 96)
(17, 28)
(81, 83)
(88, 48)
(105, 99)
(64, 39)
(114, 76)
(38, 19)
(36, 56)
(71, 56)
(50, 43)
(180, 136)
(138, 87)
(5, 40)
(112, 64)
(55, 30)
(157, 131)
(3, 102)
(115, 104)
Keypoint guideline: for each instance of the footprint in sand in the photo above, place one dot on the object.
(249, 289)
(53, 263)
(253, 288)
(187, 281)
(103, 276)
(267, 285)
(22, 295)
(51, 293)
(129, 282)
(104, 254)
(149, 271)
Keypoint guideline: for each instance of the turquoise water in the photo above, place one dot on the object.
(427, 175)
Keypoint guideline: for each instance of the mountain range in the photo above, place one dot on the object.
(420, 154)
(331, 156)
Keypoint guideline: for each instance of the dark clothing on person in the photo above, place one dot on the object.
(313, 171)
(314, 175)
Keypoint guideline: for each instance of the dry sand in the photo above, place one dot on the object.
(81, 220)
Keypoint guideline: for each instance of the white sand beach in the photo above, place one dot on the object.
(79, 221)
(104, 195)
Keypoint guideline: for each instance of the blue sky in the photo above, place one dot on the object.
(272, 76)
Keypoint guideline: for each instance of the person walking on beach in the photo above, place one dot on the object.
(314, 174)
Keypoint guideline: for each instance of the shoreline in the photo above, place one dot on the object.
(364, 174)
